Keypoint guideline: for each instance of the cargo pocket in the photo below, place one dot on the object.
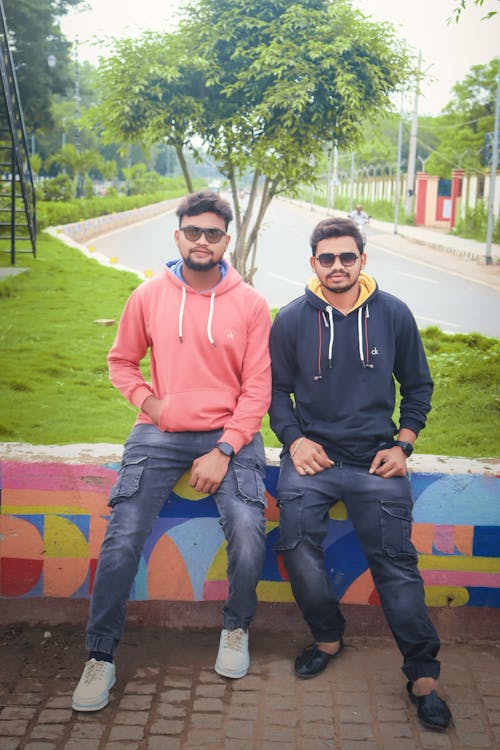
(127, 482)
(249, 482)
(396, 530)
(290, 526)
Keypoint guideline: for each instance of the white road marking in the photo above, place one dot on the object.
(419, 278)
(288, 281)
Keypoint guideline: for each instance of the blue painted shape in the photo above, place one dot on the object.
(486, 541)
(270, 570)
(160, 527)
(421, 481)
(345, 561)
(181, 508)
(271, 479)
(480, 596)
(198, 541)
(139, 590)
(460, 499)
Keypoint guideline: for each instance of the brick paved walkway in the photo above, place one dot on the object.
(168, 697)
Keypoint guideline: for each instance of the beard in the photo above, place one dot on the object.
(196, 266)
(340, 289)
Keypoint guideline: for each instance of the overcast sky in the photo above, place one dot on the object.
(448, 49)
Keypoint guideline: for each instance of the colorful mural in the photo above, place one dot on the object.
(53, 518)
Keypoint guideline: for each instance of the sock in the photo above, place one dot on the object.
(100, 656)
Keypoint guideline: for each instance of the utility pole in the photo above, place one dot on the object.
(412, 153)
(77, 98)
(351, 191)
(335, 176)
(398, 170)
(493, 175)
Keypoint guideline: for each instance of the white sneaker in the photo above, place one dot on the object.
(233, 659)
(92, 692)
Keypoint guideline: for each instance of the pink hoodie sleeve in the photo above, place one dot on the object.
(129, 348)
(255, 395)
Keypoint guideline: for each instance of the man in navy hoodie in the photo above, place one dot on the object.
(338, 349)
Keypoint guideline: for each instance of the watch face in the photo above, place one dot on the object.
(226, 449)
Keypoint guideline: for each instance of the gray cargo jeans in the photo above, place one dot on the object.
(381, 513)
(152, 463)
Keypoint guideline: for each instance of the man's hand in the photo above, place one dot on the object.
(152, 407)
(208, 471)
(309, 457)
(390, 462)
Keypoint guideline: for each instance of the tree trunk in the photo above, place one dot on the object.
(184, 167)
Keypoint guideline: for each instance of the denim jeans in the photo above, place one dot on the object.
(152, 463)
(381, 513)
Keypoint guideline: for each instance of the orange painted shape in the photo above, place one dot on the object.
(64, 575)
(422, 536)
(272, 510)
(20, 539)
(97, 530)
(464, 539)
(360, 590)
(73, 501)
(168, 577)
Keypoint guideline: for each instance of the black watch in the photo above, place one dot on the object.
(226, 449)
(407, 448)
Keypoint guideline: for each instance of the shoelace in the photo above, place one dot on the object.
(234, 639)
(94, 671)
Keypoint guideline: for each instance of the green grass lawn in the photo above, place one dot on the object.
(54, 382)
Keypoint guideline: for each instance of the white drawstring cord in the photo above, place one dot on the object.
(210, 318)
(181, 312)
(332, 335)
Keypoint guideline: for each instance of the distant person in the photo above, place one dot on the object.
(361, 218)
(208, 334)
(335, 353)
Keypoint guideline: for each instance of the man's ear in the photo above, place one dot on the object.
(311, 262)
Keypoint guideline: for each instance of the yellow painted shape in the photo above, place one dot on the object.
(457, 562)
(63, 539)
(274, 591)
(270, 525)
(218, 569)
(43, 510)
(338, 512)
(446, 596)
(183, 489)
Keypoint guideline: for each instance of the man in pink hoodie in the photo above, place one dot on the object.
(207, 332)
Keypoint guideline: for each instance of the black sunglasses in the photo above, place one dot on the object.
(212, 234)
(326, 260)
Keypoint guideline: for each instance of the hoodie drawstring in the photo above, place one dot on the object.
(363, 345)
(210, 316)
(364, 355)
(181, 312)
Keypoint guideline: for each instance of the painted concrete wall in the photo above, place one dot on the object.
(53, 516)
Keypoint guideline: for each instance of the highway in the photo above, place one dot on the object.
(451, 301)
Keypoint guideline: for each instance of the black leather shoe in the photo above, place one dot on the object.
(312, 661)
(432, 710)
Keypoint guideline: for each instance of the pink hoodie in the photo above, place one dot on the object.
(209, 355)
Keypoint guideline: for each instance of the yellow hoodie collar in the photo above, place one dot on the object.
(367, 286)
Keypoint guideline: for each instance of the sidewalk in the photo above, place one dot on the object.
(167, 696)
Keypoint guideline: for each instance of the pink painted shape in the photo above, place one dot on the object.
(20, 475)
(460, 578)
(215, 590)
(444, 539)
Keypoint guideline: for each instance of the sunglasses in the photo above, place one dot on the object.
(326, 260)
(212, 235)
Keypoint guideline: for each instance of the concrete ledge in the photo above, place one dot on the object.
(53, 516)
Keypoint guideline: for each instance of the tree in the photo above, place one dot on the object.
(465, 122)
(78, 163)
(41, 54)
(461, 5)
(262, 87)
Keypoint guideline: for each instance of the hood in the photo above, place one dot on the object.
(325, 319)
(229, 279)
(367, 288)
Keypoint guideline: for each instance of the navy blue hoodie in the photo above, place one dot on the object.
(341, 370)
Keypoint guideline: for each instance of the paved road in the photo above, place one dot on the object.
(168, 697)
(438, 295)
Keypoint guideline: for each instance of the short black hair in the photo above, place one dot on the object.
(336, 227)
(205, 201)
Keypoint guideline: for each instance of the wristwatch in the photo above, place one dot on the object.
(226, 449)
(407, 448)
